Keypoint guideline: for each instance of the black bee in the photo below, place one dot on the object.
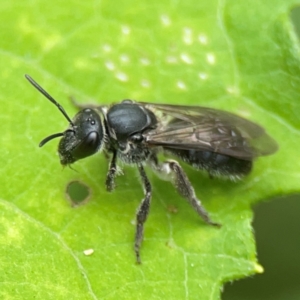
(219, 142)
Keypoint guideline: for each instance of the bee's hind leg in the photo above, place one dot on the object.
(172, 169)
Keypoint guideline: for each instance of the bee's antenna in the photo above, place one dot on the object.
(40, 89)
(50, 137)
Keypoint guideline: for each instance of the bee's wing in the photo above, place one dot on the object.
(207, 129)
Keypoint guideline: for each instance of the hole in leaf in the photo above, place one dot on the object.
(295, 18)
(77, 193)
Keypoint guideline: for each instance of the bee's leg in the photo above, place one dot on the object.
(142, 213)
(183, 185)
(111, 174)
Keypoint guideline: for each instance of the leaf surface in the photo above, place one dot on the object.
(236, 56)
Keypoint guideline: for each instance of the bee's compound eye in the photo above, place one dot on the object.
(88, 146)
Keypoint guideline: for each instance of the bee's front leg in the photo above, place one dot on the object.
(111, 174)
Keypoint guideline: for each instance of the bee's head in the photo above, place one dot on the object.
(84, 137)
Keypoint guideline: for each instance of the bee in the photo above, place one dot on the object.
(219, 142)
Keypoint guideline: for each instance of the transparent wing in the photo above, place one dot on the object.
(207, 129)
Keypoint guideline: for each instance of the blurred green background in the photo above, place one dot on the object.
(277, 233)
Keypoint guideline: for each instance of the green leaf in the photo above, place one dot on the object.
(239, 56)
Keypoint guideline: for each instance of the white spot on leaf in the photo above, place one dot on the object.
(122, 76)
(110, 65)
(145, 83)
(145, 61)
(202, 39)
(202, 76)
(124, 58)
(181, 85)
(165, 20)
(106, 48)
(186, 58)
(187, 36)
(88, 252)
(211, 59)
(125, 29)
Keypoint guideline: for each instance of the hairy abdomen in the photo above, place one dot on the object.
(214, 163)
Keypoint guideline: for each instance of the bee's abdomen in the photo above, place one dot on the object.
(214, 163)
